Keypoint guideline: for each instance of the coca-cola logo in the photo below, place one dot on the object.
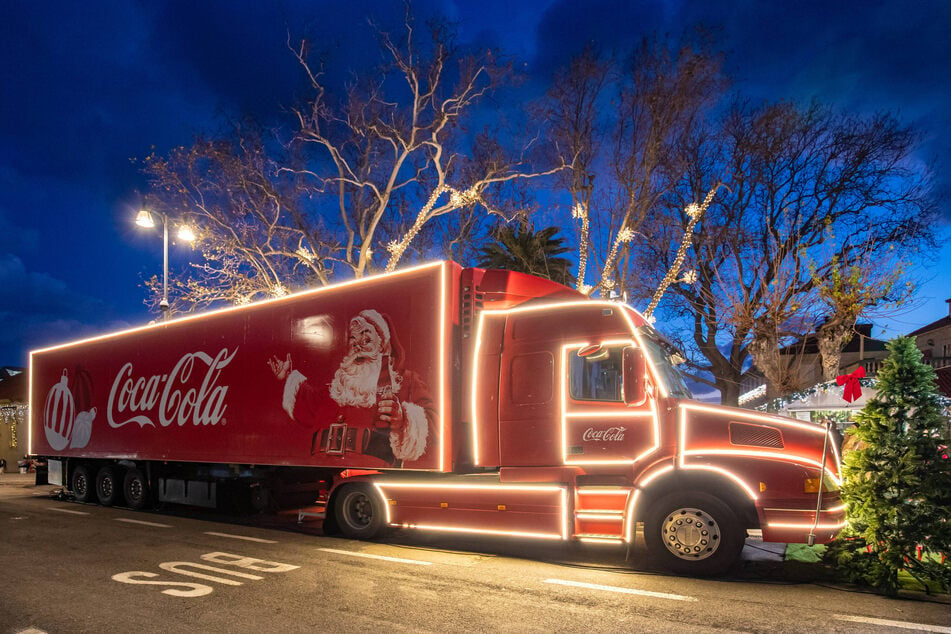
(611, 434)
(181, 396)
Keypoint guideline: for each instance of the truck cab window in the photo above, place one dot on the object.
(597, 377)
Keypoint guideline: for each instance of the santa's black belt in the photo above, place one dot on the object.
(340, 438)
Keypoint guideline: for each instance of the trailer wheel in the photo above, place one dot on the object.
(107, 486)
(693, 533)
(136, 489)
(82, 485)
(359, 511)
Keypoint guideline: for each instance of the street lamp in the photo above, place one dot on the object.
(144, 219)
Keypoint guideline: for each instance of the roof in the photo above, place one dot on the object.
(941, 323)
(14, 388)
(810, 343)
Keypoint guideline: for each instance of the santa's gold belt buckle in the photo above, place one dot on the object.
(336, 438)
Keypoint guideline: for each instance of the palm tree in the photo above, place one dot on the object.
(525, 250)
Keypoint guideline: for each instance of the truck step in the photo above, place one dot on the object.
(316, 512)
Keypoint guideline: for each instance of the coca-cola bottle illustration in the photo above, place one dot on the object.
(384, 386)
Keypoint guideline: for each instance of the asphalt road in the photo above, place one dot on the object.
(68, 567)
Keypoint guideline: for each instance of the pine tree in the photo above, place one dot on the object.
(897, 486)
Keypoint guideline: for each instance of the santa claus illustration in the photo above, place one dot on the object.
(378, 408)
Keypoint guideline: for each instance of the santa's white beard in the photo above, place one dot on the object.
(355, 383)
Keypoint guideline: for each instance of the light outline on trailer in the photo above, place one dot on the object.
(442, 264)
(807, 526)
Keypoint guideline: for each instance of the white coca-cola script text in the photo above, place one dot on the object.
(174, 397)
(611, 434)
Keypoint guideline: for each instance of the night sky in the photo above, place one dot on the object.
(87, 87)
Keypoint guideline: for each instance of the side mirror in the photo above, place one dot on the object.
(635, 376)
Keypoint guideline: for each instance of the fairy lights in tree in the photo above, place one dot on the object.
(695, 213)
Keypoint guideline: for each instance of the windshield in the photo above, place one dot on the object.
(660, 352)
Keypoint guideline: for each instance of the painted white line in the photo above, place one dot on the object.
(59, 510)
(143, 523)
(247, 539)
(643, 593)
(398, 560)
(905, 625)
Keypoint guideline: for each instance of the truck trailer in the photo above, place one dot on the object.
(438, 398)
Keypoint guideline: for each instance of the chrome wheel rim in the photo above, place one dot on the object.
(690, 533)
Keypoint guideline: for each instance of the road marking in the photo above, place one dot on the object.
(921, 627)
(398, 560)
(645, 593)
(143, 523)
(53, 508)
(245, 538)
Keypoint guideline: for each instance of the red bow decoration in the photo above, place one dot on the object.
(853, 389)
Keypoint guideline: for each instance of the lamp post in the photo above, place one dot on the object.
(144, 219)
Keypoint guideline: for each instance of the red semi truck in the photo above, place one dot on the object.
(436, 398)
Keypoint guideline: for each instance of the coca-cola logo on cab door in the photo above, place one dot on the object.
(611, 434)
(189, 393)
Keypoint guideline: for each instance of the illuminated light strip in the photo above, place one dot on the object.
(480, 487)
(399, 560)
(601, 540)
(380, 486)
(629, 520)
(254, 305)
(565, 414)
(443, 414)
(769, 420)
(476, 458)
(632, 504)
(613, 517)
(480, 531)
(564, 515)
(596, 586)
(29, 410)
(835, 509)
(589, 491)
(794, 458)
(622, 309)
(807, 526)
(905, 625)
(784, 457)
(729, 474)
(611, 414)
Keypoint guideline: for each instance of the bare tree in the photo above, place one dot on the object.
(793, 175)
(398, 136)
(373, 171)
(628, 123)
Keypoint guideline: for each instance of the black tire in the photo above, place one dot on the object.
(107, 486)
(693, 533)
(136, 489)
(359, 511)
(82, 484)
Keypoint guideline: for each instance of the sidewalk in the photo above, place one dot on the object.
(17, 479)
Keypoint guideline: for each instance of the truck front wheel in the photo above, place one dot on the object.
(82, 484)
(107, 486)
(359, 511)
(693, 534)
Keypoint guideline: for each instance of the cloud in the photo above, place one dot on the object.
(40, 310)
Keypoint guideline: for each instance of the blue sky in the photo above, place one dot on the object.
(86, 87)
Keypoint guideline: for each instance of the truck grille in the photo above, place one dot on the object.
(755, 435)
